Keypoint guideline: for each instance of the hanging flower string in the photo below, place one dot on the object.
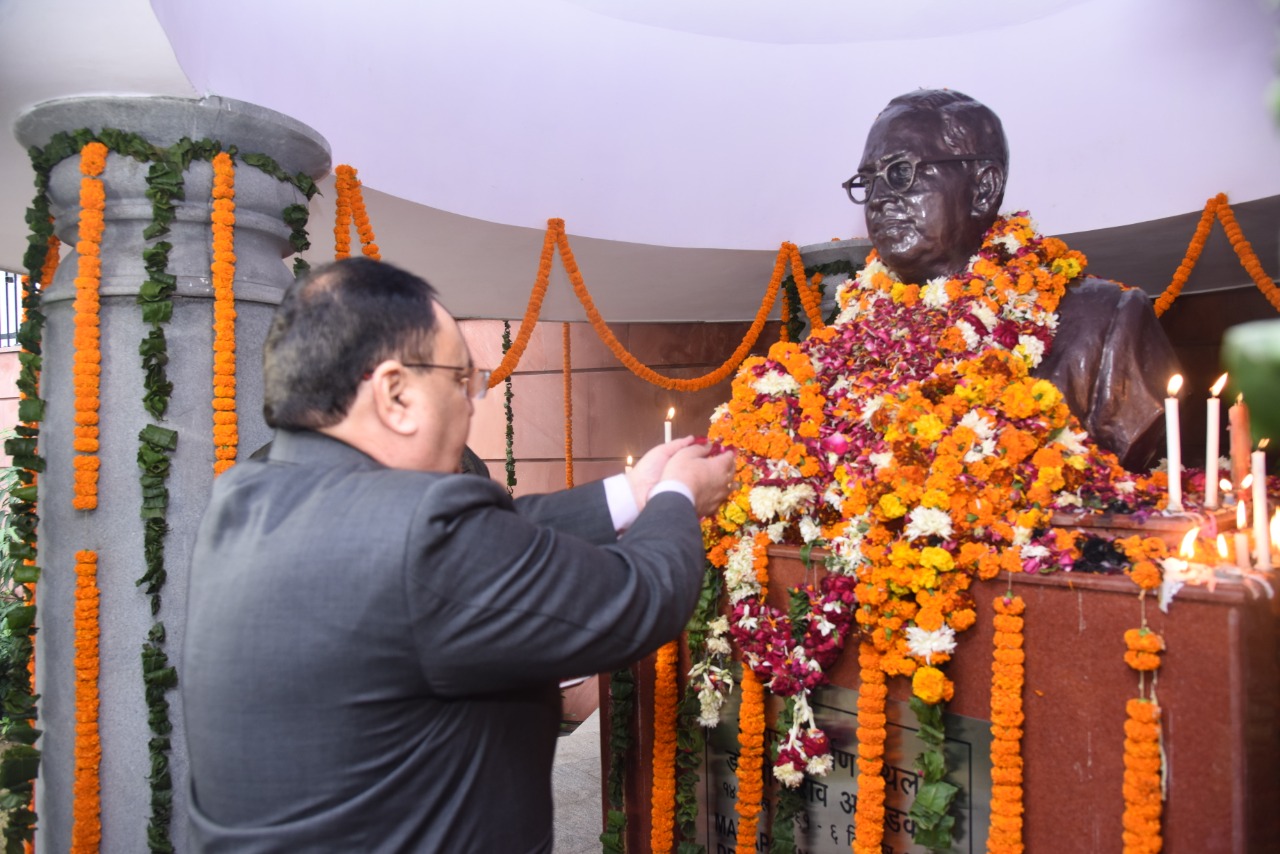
(86, 362)
(868, 816)
(554, 238)
(342, 223)
(751, 725)
(351, 207)
(223, 270)
(1007, 677)
(1143, 764)
(86, 806)
(1217, 206)
(568, 406)
(808, 293)
(666, 692)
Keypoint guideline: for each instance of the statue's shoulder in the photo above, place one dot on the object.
(1091, 294)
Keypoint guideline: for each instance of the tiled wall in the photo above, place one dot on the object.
(614, 412)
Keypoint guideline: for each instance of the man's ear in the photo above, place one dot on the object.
(988, 191)
(390, 387)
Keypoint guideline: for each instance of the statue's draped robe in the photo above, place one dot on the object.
(1112, 361)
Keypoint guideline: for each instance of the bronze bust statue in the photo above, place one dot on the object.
(931, 181)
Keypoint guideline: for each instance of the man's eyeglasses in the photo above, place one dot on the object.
(474, 380)
(898, 175)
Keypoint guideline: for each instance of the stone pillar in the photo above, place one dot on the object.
(115, 529)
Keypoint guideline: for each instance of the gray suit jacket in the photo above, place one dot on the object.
(371, 655)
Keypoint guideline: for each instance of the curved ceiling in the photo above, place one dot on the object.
(682, 142)
(731, 124)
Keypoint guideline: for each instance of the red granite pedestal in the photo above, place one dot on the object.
(1219, 687)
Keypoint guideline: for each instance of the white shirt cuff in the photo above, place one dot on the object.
(672, 486)
(622, 504)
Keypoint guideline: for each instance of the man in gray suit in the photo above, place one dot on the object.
(373, 642)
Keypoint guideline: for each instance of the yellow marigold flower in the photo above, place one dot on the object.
(891, 507)
(928, 428)
(930, 685)
(936, 499)
(933, 557)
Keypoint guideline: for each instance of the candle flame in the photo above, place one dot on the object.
(1240, 397)
(1175, 385)
(1224, 485)
(630, 461)
(1222, 546)
(1216, 388)
(671, 413)
(1188, 547)
(1262, 444)
(1242, 516)
(1247, 482)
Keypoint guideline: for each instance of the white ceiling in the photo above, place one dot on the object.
(681, 142)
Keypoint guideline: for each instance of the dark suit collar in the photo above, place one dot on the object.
(311, 448)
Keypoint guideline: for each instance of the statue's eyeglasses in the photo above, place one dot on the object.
(474, 380)
(899, 175)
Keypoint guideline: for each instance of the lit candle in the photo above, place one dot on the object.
(1242, 538)
(666, 425)
(1228, 497)
(630, 463)
(1188, 547)
(1214, 413)
(1222, 548)
(1261, 536)
(1238, 417)
(1173, 433)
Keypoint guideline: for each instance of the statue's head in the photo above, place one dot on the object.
(932, 179)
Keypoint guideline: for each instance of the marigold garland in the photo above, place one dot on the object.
(751, 726)
(86, 806)
(86, 362)
(1143, 798)
(1189, 260)
(868, 817)
(1007, 679)
(1218, 206)
(568, 406)
(223, 269)
(554, 238)
(666, 692)
(351, 207)
(1248, 258)
(1143, 761)
(808, 293)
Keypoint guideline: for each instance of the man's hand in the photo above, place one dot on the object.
(645, 474)
(709, 475)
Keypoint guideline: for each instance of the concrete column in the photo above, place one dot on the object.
(115, 529)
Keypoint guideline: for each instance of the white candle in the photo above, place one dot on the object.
(1242, 539)
(1261, 536)
(630, 463)
(1212, 434)
(666, 425)
(1173, 433)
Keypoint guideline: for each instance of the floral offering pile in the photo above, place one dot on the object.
(910, 441)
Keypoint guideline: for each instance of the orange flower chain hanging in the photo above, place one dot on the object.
(1007, 678)
(568, 408)
(86, 361)
(751, 727)
(1218, 207)
(86, 804)
(868, 816)
(555, 238)
(351, 208)
(223, 269)
(1143, 762)
(665, 718)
